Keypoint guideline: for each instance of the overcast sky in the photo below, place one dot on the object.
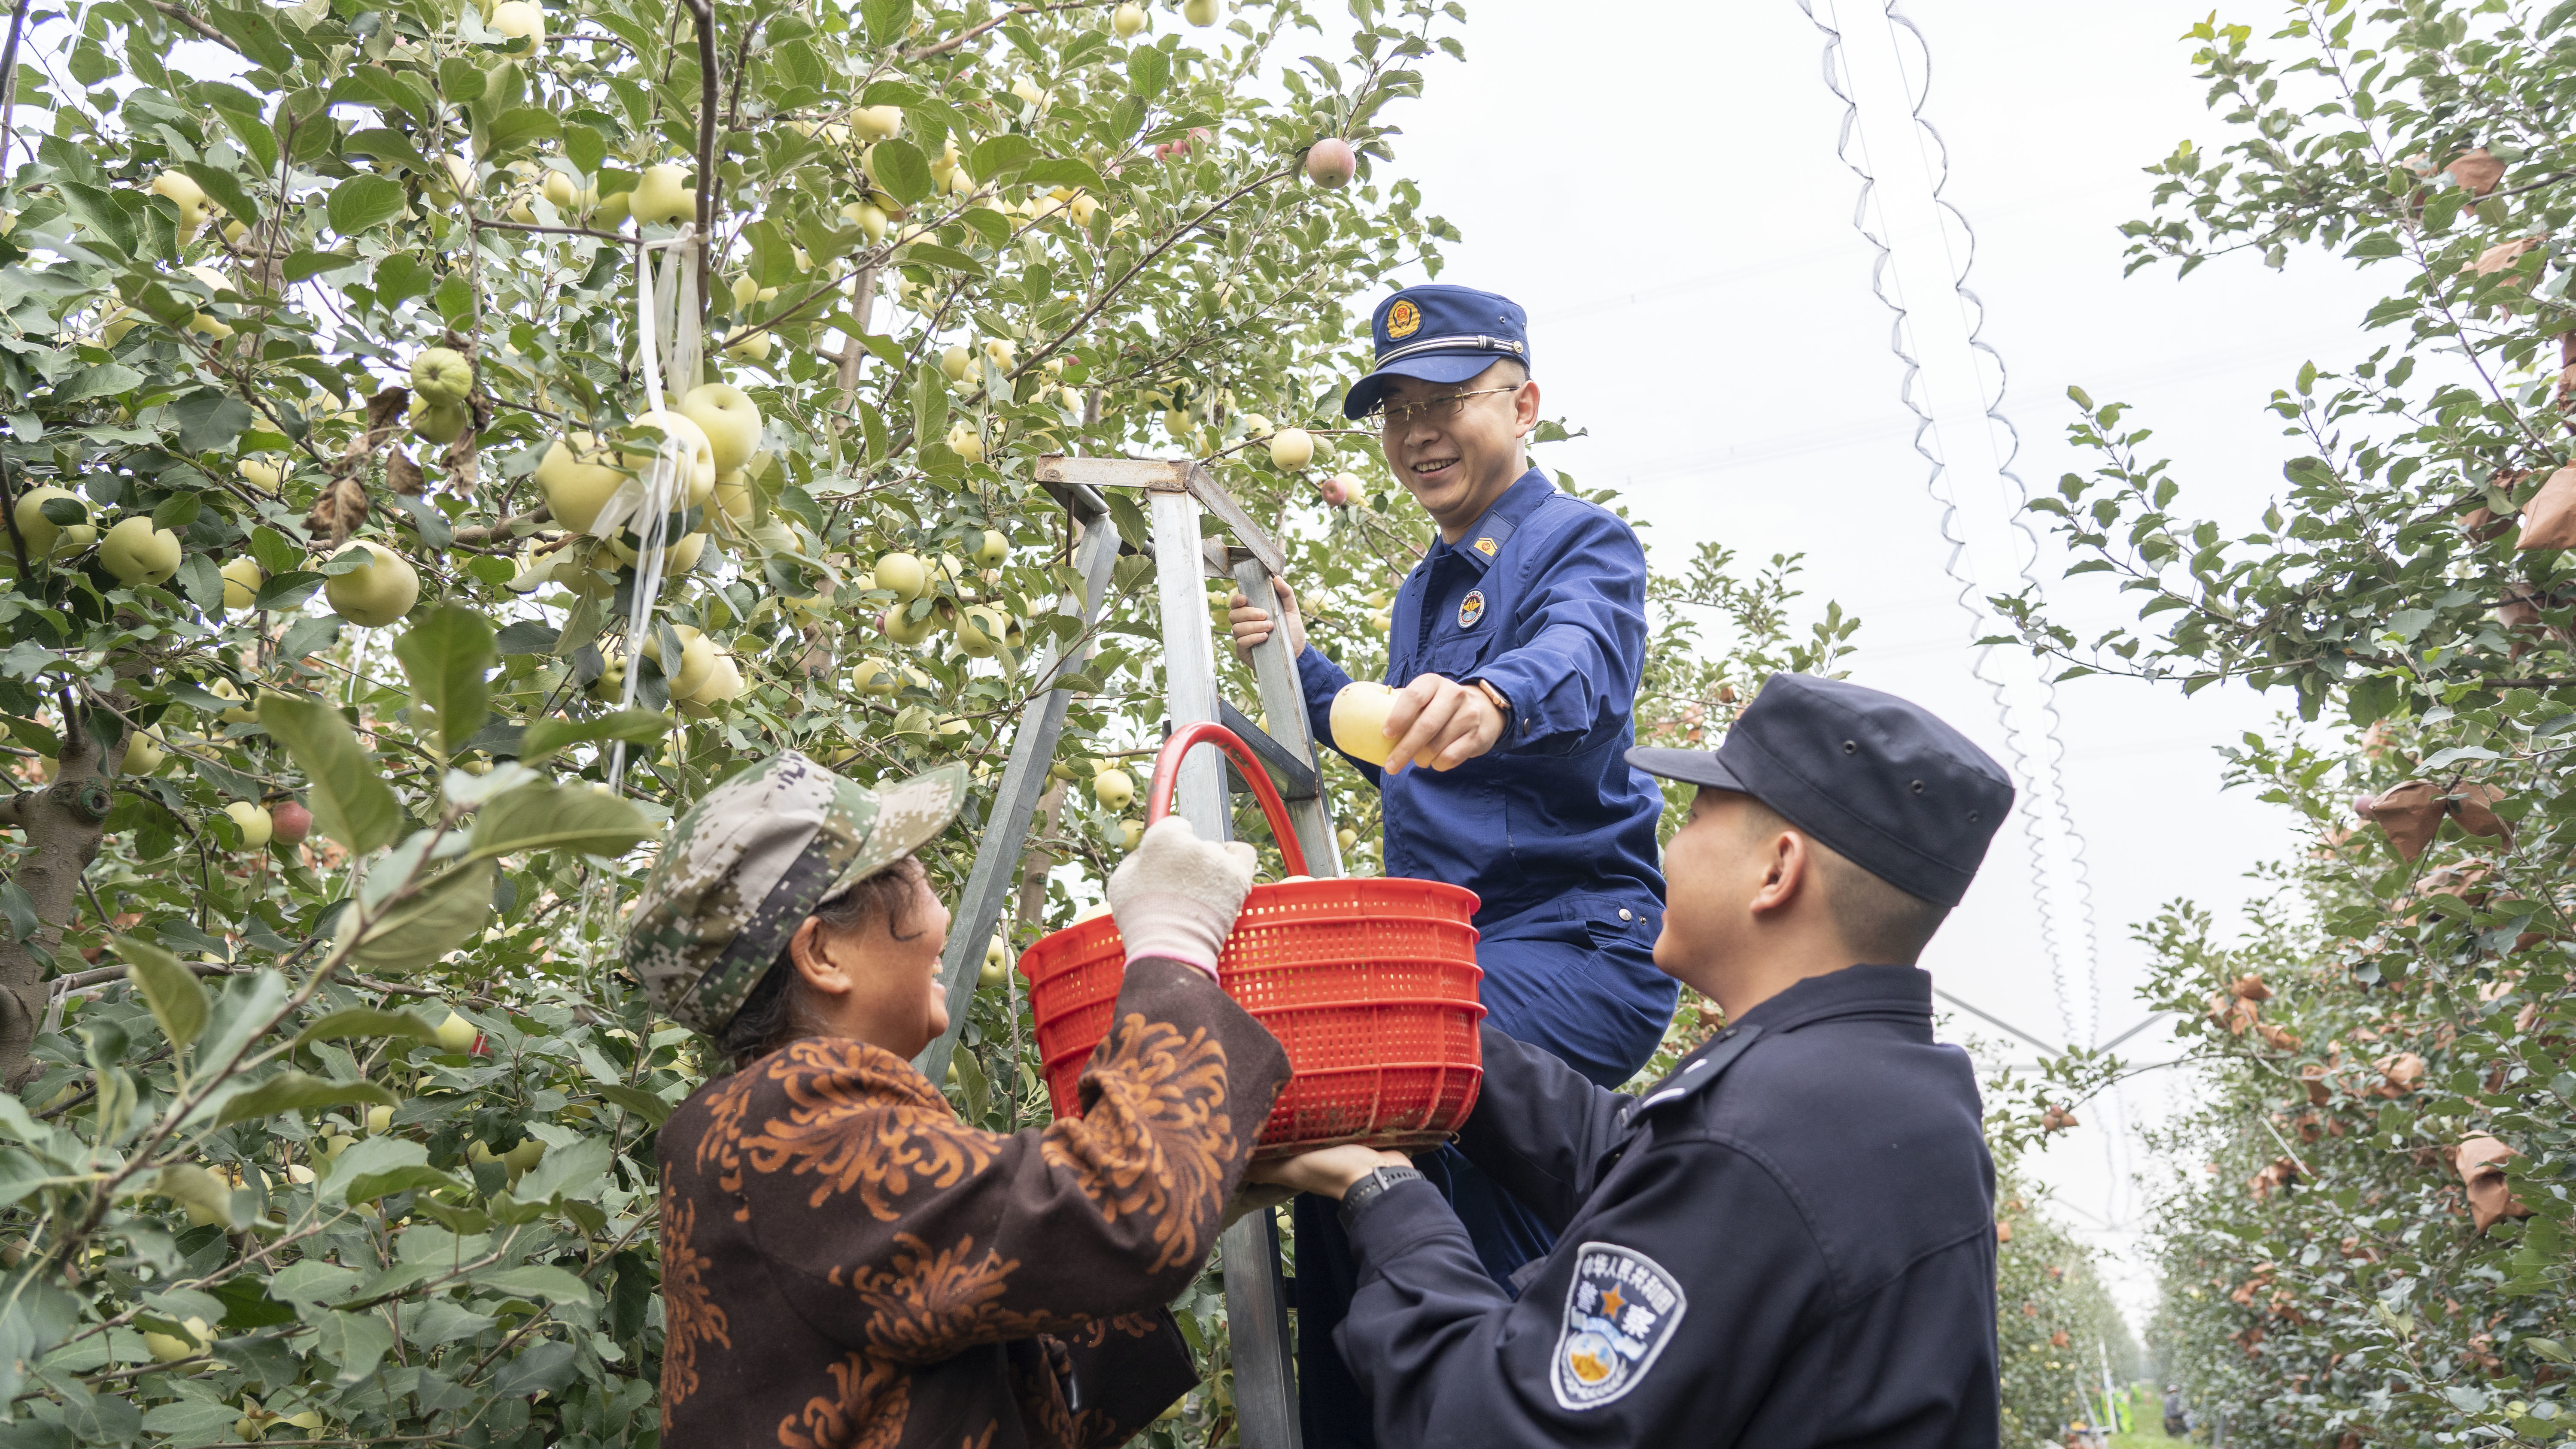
(1660, 189)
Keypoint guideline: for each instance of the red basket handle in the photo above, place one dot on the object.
(1167, 773)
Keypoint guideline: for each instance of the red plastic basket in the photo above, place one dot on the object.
(1370, 984)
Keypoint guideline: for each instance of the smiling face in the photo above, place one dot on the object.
(1457, 466)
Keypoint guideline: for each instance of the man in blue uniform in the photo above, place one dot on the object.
(1518, 643)
(1790, 1240)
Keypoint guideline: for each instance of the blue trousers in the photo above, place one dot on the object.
(1600, 1006)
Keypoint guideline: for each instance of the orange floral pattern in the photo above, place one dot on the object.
(867, 1409)
(1155, 1138)
(855, 1125)
(928, 1304)
(690, 1315)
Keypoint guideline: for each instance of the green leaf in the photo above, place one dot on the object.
(557, 817)
(366, 1021)
(635, 726)
(932, 254)
(225, 188)
(902, 168)
(999, 155)
(636, 1100)
(363, 203)
(351, 801)
(368, 1186)
(887, 20)
(460, 80)
(169, 988)
(564, 1169)
(442, 915)
(114, 217)
(1058, 171)
(354, 1342)
(534, 1281)
(293, 1091)
(371, 1158)
(514, 130)
(447, 655)
(1148, 71)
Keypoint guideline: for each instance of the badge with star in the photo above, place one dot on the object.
(1620, 1311)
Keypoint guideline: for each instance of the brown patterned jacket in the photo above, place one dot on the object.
(845, 1264)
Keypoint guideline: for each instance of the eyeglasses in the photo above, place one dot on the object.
(1438, 409)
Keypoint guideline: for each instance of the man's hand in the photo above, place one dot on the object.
(1252, 622)
(1328, 1171)
(1440, 723)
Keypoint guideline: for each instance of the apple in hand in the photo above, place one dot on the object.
(729, 418)
(138, 553)
(1359, 721)
(1331, 163)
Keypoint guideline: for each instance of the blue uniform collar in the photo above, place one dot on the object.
(1485, 540)
(1887, 992)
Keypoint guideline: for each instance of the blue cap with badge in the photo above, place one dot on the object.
(1879, 779)
(1439, 333)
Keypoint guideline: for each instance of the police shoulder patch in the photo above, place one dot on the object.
(1620, 1311)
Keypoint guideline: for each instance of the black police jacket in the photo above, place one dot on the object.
(1789, 1241)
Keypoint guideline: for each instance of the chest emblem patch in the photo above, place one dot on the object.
(1402, 321)
(1488, 547)
(1471, 608)
(1620, 1312)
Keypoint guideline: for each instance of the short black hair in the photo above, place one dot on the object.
(780, 1009)
(1883, 925)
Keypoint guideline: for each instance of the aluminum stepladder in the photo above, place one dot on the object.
(1177, 494)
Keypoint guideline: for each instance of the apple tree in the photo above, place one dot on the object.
(2372, 1244)
(366, 618)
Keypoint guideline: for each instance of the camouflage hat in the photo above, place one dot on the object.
(752, 859)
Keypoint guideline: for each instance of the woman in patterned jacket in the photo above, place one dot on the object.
(844, 1263)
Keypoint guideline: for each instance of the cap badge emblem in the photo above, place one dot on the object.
(1488, 547)
(1402, 321)
(1471, 608)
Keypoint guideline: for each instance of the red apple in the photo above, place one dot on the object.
(1339, 489)
(1331, 163)
(289, 821)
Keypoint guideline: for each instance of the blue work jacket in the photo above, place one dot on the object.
(1545, 601)
(1789, 1241)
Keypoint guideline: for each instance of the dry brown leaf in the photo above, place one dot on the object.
(2500, 256)
(2470, 804)
(402, 475)
(2480, 1163)
(2411, 814)
(385, 413)
(2400, 1074)
(2477, 171)
(2313, 1077)
(339, 511)
(2250, 987)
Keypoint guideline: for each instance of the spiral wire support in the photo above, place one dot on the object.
(1988, 527)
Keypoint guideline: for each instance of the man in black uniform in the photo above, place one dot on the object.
(1801, 1254)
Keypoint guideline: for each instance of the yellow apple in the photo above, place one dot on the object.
(966, 443)
(442, 375)
(242, 578)
(1127, 19)
(264, 473)
(226, 689)
(981, 629)
(185, 194)
(697, 660)
(993, 550)
(171, 1348)
(439, 422)
(1113, 788)
(874, 676)
(1131, 833)
(733, 494)
(902, 628)
(43, 535)
(1003, 351)
(877, 123)
(138, 553)
(526, 1155)
(455, 1034)
(577, 480)
(729, 418)
(723, 682)
(903, 575)
(1201, 12)
(559, 190)
(207, 322)
(677, 558)
(1292, 448)
(1348, 837)
(753, 348)
(255, 825)
(1359, 721)
(380, 1120)
(955, 361)
(377, 592)
(997, 964)
(660, 197)
(519, 20)
(143, 754)
(697, 454)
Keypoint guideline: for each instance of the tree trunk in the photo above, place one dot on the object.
(64, 823)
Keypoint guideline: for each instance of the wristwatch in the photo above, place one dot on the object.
(1370, 1188)
(1496, 697)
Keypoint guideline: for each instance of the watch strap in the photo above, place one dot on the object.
(1372, 1187)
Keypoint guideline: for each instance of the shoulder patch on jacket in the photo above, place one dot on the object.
(1620, 1311)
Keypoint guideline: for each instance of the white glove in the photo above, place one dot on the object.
(1177, 895)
